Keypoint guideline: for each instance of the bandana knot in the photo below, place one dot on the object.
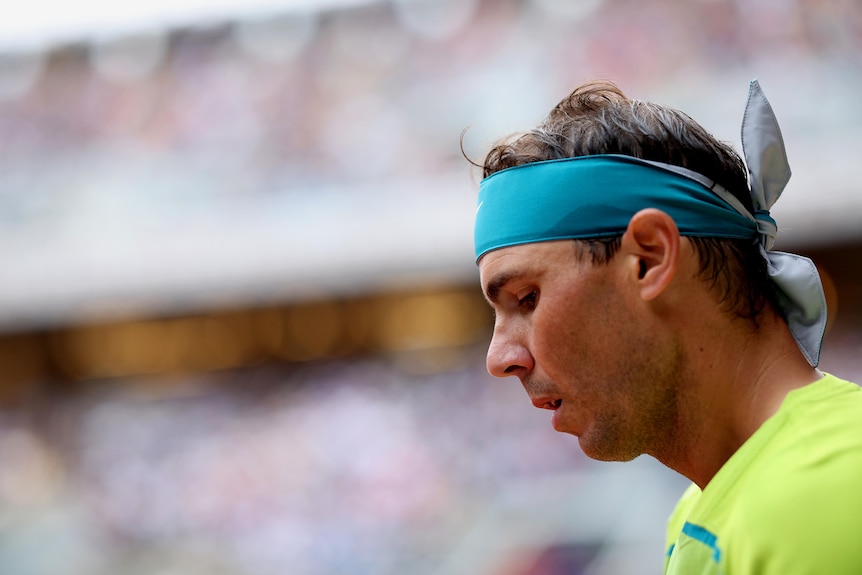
(766, 227)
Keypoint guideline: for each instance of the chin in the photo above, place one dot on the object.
(603, 451)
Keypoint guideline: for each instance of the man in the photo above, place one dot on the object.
(627, 256)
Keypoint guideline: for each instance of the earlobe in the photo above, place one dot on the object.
(652, 242)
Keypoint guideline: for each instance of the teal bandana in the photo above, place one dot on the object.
(596, 196)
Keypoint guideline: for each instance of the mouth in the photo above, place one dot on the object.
(548, 403)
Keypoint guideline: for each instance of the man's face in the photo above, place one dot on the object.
(584, 345)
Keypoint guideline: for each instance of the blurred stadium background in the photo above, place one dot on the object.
(240, 331)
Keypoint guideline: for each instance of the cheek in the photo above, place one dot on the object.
(560, 336)
(579, 333)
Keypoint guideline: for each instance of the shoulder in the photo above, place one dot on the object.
(815, 445)
(803, 494)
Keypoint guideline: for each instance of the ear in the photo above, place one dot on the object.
(651, 244)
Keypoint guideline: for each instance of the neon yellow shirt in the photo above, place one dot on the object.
(788, 502)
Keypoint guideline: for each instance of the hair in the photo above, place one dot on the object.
(597, 118)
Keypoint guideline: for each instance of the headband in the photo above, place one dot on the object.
(596, 196)
(593, 197)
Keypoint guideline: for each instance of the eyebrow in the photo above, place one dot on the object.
(492, 289)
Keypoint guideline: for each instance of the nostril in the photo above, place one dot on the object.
(507, 356)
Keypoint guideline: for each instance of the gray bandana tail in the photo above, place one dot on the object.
(797, 282)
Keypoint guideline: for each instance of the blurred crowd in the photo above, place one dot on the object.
(169, 123)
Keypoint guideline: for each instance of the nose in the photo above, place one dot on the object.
(507, 354)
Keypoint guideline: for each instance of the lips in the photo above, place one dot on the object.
(547, 403)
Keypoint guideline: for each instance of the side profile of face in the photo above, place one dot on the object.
(585, 345)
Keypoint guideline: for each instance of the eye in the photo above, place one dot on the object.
(529, 300)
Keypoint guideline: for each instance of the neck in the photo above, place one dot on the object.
(723, 403)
